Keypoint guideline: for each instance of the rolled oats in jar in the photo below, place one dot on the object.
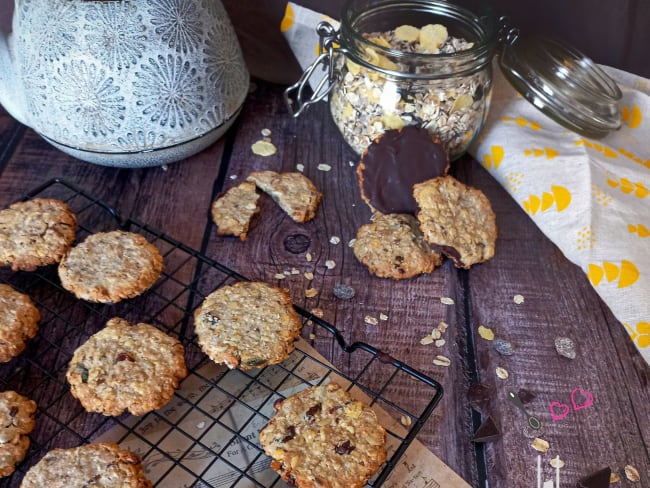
(414, 62)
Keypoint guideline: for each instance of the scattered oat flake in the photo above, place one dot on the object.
(502, 373)
(312, 336)
(233, 177)
(614, 478)
(330, 264)
(308, 257)
(370, 320)
(405, 420)
(440, 343)
(442, 326)
(279, 276)
(264, 148)
(383, 316)
(318, 312)
(335, 240)
(324, 167)
(540, 445)
(556, 462)
(266, 132)
(631, 473)
(518, 299)
(351, 163)
(440, 360)
(436, 334)
(287, 272)
(446, 301)
(300, 167)
(565, 347)
(200, 425)
(311, 292)
(351, 242)
(486, 333)
(426, 340)
(295, 271)
(309, 275)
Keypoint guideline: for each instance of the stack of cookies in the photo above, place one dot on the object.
(420, 212)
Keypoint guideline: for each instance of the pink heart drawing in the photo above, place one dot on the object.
(560, 406)
(581, 398)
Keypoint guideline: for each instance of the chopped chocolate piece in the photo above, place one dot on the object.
(479, 397)
(526, 396)
(291, 433)
(394, 162)
(599, 479)
(487, 431)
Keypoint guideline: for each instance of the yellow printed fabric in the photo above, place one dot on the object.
(590, 197)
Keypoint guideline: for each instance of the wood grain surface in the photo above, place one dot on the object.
(558, 299)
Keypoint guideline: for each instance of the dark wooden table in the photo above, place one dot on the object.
(559, 301)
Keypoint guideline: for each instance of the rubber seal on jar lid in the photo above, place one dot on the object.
(563, 83)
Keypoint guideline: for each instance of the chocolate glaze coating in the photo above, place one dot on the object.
(394, 162)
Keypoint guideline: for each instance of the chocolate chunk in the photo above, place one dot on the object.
(487, 431)
(291, 433)
(526, 396)
(344, 448)
(313, 411)
(479, 397)
(599, 479)
(394, 162)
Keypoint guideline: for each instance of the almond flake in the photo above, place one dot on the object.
(300, 167)
(405, 420)
(440, 360)
(311, 292)
(263, 148)
(436, 334)
(426, 340)
(540, 445)
(335, 240)
(309, 275)
(486, 333)
(518, 299)
(440, 343)
(446, 301)
(370, 320)
(631, 473)
(308, 257)
(279, 276)
(330, 264)
(324, 167)
(502, 373)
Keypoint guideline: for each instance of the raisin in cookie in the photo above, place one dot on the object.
(457, 220)
(35, 233)
(110, 266)
(232, 212)
(18, 322)
(391, 246)
(247, 325)
(16, 421)
(322, 437)
(126, 367)
(393, 163)
(98, 464)
(293, 192)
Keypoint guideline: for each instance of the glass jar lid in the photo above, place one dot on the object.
(563, 83)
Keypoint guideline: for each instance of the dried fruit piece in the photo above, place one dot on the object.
(344, 292)
(407, 33)
(565, 347)
(263, 148)
(540, 445)
(487, 432)
(631, 473)
(432, 36)
(502, 373)
(486, 333)
(503, 347)
(441, 360)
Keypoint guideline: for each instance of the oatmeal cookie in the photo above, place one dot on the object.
(16, 421)
(232, 212)
(293, 192)
(392, 246)
(99, 464)
(247, 325)
(110, 266)
(393, 163)
(322, 437)
(35, 233)
(457, 220)
(18, 322)
(126, 367)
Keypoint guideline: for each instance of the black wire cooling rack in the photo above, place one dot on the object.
(207, 435)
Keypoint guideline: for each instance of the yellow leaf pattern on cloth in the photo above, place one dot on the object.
(576, 189)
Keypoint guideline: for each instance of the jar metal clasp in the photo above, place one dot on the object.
(294, 96)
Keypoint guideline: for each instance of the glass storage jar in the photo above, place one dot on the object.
(375, 85)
